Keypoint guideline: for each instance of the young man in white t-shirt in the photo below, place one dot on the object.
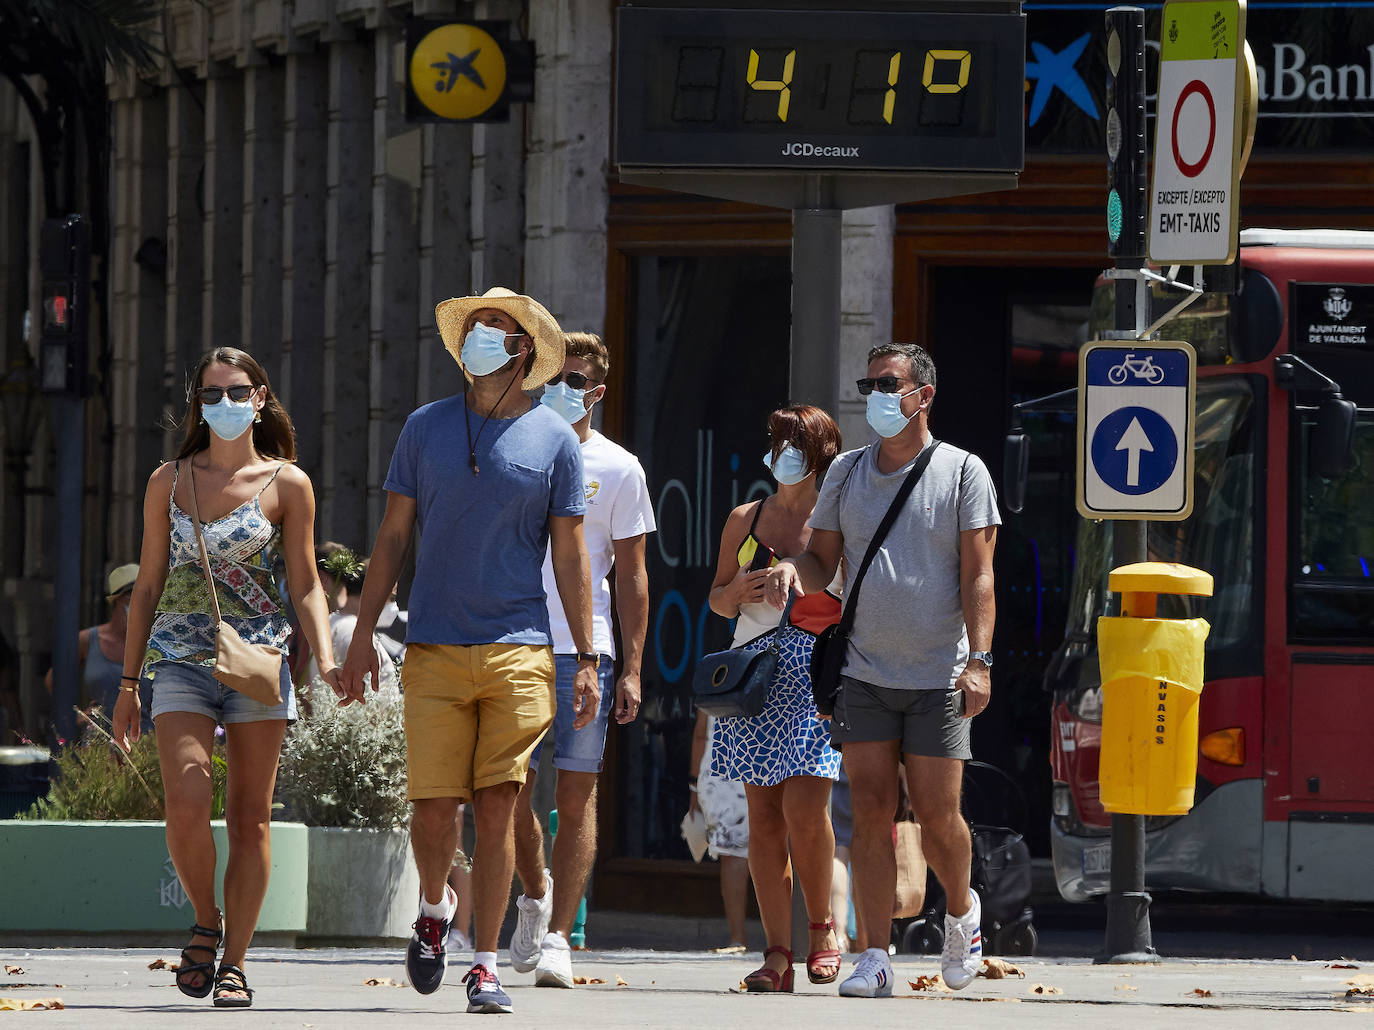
(619, 517)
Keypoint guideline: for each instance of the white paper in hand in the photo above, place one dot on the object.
(694, 833)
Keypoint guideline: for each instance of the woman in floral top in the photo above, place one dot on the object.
(238, 456)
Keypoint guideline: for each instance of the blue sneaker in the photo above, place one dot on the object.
(484, 991)
(426, 959)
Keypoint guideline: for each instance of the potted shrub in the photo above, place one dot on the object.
(91, 857)
(342, 773)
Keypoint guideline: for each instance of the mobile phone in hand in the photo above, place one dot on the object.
(763, 557)
(958, 702)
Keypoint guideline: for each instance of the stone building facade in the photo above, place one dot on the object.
(268, 192)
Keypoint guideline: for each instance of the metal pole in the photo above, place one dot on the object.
(816, 299)
(68, 419)
(1128, 905)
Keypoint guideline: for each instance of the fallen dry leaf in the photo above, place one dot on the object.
(30, 1004)
(1341, 965)
(1359, 993)
(1045, 989)
(928, 983)
(1126, 987)
(595, 980)
(579, 980)
(14, 970)
(999, 969)
(1200, 992)
(381, 981)
(1293, 957)
(162, 963)
(620, 981)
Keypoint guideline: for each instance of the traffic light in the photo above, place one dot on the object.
(1128, 202)
(64, 262)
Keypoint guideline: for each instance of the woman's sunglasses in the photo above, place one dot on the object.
(576, 380)
(213, 394)
(884, 384)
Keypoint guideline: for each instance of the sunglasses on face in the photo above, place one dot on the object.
(213, 394)
(576, 380)
(884, 384)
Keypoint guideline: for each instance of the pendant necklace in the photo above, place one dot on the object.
(467, 423)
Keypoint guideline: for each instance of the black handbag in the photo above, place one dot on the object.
(737, 682)
(832, 644)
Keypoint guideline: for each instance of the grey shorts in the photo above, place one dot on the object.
(181, 687)
(923, 720)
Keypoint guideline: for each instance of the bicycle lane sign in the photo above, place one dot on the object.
(1135, 430)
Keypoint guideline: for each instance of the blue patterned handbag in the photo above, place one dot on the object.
(737, 681)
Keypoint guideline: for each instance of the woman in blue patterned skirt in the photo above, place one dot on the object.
(783, 754)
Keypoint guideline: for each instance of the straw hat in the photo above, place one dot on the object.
(452, 315)
(121, 579)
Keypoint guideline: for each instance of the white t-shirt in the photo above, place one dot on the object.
(618, 507)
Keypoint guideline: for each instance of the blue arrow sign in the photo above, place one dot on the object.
(1135, 429)
(1134, 450)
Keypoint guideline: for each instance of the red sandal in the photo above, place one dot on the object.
(769, 981)
(825, 957)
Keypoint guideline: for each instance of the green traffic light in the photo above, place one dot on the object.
(1113, 216)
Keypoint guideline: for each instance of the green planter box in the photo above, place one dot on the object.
(102, 877)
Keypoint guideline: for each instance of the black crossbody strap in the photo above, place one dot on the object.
(889, 517)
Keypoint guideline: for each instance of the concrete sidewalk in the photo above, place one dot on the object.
(115, 990)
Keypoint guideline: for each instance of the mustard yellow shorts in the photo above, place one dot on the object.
(473, 715)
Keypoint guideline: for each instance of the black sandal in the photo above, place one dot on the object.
(230, 980)
(207, 969)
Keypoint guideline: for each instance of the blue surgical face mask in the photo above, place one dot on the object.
(884, 412)
(229, 419)
(484, 349)
(566, 401)
(790, 466)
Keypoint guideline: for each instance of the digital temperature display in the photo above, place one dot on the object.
(825, 89)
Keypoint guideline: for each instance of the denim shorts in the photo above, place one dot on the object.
(578, 750)
(181, 687)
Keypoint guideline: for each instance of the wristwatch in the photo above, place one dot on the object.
(983, 656)
(593, 657)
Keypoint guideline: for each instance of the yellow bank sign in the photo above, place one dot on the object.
(466, 71)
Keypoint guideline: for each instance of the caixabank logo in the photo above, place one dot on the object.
(1314, 62)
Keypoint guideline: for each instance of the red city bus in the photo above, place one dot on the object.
(1284, 521)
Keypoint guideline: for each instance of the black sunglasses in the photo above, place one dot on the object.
(213, 394)
(885, 384)
(575, 379)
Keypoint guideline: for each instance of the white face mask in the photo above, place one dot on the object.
(484, 349)
(790, 468)
(229, 419)
(567, 402)
(884, 412)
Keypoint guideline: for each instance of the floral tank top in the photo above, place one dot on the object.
(249, 570)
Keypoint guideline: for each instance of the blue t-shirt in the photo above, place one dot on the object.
(482, 538)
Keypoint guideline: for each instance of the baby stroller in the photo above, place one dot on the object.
(1001, 872)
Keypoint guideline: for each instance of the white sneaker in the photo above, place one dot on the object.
(531, 927)
(555, 962)
(963, 954)
(872, 976)
(457, 941)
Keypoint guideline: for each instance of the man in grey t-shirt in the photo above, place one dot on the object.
(917, 667)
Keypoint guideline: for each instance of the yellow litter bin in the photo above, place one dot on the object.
(1151, 683)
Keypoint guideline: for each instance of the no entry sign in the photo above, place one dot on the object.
(1198, 132)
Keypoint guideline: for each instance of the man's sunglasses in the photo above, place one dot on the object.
(576, 380)
(213, 394)
(884, 384)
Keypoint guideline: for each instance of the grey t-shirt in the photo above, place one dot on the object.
(909, 630)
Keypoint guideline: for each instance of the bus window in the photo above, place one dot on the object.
(1206, 323)
(1333, 545)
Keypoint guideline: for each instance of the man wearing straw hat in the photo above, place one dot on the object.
(491, 480)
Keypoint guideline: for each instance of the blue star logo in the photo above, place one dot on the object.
(1050, 71)
(454, 68)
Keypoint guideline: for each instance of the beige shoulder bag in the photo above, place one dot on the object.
(254, 670)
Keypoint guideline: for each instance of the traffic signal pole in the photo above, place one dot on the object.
(1128, 937)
